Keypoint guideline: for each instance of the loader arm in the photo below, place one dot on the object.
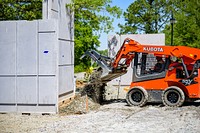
(107, 71)
(102, 61)
(130, 47)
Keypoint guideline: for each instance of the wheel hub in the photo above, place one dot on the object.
(136, 96)
(172, 97)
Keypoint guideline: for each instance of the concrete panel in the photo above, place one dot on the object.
(50, 25)
(27, 47)
(54, 14)
(65, 20)
(8, 108)
(72, 48)
(70, 23)
(57, 10)
(37, 109)
(7, 90)
(45, 9)
(124, 80)
(48, 90)
(66, 79)
(53, 9)
(27, 90)
(54, 5)
(7, 30)
(47, 53)
(65, 33)
(149, 39)
(65, 53)
(7, 48)
(113, 45)
(62, 8)
(28, 56)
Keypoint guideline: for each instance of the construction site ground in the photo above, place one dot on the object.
(113, 116)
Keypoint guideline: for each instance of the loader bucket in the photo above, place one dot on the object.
(107, 71)
(111, 75)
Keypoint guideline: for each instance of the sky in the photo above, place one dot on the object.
(123, 4)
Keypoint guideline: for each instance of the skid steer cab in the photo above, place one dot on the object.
(168, 74)
(163, 78)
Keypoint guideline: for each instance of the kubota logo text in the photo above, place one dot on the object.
(153, 49)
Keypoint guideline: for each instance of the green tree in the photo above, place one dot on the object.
(187, 26)
(20, 9)
(91, 18)
(103, 52)
(146, 16)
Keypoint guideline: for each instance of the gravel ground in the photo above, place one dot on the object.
(113, 117)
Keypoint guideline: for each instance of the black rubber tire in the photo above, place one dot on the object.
(173, 96)
(137, 96)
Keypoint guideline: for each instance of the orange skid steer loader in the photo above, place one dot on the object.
(174, 79)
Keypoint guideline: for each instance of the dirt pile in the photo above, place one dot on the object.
(80, 84)
(87, 98)
(80, 105)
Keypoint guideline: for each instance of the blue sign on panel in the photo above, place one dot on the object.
(46, 52)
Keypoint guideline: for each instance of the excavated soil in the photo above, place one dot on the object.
(80, 105)
(88, 97)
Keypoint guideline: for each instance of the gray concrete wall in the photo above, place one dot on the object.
(56, 9)
(28, 68)
(37, 61)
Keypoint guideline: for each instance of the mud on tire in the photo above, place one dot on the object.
(137, 96)
(173, 96)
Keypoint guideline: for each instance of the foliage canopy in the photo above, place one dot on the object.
(146, 16)
(20, 9)
(187, 15)
(91, 17)
(153, 16)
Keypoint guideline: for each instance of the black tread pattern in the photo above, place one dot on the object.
(144, 94)
(181, 97)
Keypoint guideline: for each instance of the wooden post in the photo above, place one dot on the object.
(86, 101)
